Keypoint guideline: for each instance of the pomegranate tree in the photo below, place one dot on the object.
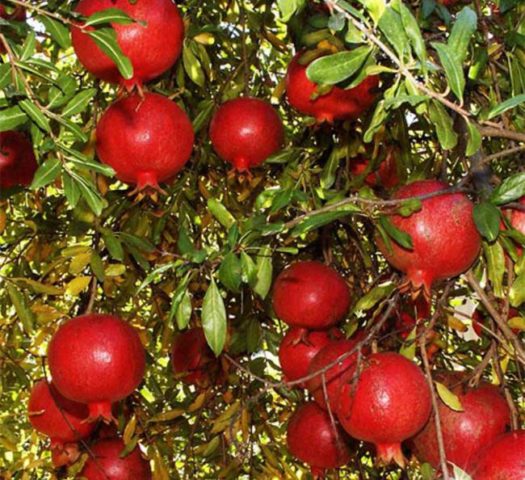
(310, 295)
(311, 438)
(98, 360)
(109, 464)
(338, 104)
(246, 131)
(388, 403)
(152, 43)
(441, 249)
(146, 139)
(17, 160)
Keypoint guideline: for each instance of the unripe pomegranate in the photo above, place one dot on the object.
(17, 160)
(299, 347)
(504, 459)
(62, 420)
(146, 140)
(338, 104)
(246, 131)
(192, 360)
(311, 438)
(385, 175)
(484, 417)
(310, 295)
(98, 360)
(152, 43)
(442, 249)
(109, 465)
(388, 403)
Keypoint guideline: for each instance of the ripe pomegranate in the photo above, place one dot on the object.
(479, 319)
(152, 43)
(517, 220)
(448, 3)
(312, 439)
(310, 295)
(338, 104)
(98, 360)
(18, 13)
(484, 417)
(109, 465)
(62, 420)
(442, 249)
(17, 160)
(389, 403)
(299, 347)
(385, 175)
(246, 131)
(146, 140)
(504, 459)
(192, 360)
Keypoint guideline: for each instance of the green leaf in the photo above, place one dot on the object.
(19, 301)
(263, 278)
(90, 194)
(109, 15)
(448, 398)
(156, 274)
(79, 102)
(184, 311)
(474, 139)
(495, 256)
(460, 474)
(58, 31)
(377, 122)
(391, 26)
(35, 114)
(444, 125)
(46, 173)
(462, 31)
(249, 270)
(114, 245)
(11, 118)
(376, 8)
(5, 75)
(399, 236)
(288, 8)
(214, 321)
(373, 297)
(71, 190)
(408, 349)
(28, 48)
(177, 298)
(332, 69)
(506, 105)
(512, 188)
(230, 272)
(453, 69)
(106, 40)
(192, 65)
(517, 291)
(97, 267)
(413, 31)
(319, 220)
(221, 213)
(487, 218)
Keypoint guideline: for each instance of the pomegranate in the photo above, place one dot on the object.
(109, 465)
(385, 175)
(388, 403)
(484, 417)
(442, 249)
(479, 319)
(338, 104)
(62, 420)
(146, 140)
(192, 360)
(310, 295)
(299, 347)
(153, 43)
(98, 360)
(246, 131)
(17, 160)
(504, 459)
(18, 13)
(312, 439)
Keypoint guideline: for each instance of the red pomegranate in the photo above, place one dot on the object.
(442, 249)
(109, 465)
(98, 360)
(152, 43)
(299, 347)
(448, 3)
(146, 140)
(484, 417)
(62, 420)
(504, 459)
(335, 376)
(310, 295)
(246, 131)
(18, 13)
(390, 402)
(312, 439)
(17, 160)
(192, 360)
(385, 175)
(338, 104)
(478, 320)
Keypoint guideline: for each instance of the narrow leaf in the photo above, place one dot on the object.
(214, 320)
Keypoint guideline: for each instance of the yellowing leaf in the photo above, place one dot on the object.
(167, 416)
(79, 262)
(77, 285)
(450, 399)
(517, 323)
(198, 402)
(39, 287)
(456, 324)
(115, 270)
(129, 431)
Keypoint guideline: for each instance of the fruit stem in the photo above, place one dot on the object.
(390, 452)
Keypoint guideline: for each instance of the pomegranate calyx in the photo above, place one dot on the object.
(241, 164)
(100, 410)
(318, 473)
(388, 453)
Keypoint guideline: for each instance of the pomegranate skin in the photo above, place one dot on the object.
(311, 438)
(17, 160)
(389, 403)
(504, 459)
(310, 295)
(152, 48)
(246, 131)
(299, 347)
(338, 104)
(192, 360)
(485, 417)
(146, 140)
(18, 14)
(442, 249)
(385, 175)
(109, 465)
(98, 360)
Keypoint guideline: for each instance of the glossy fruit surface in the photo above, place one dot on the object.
(17, 160)
(310, 295)
(441, 249)
(246, 131)
(152, 43)
(98, 360)
(146, 140)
